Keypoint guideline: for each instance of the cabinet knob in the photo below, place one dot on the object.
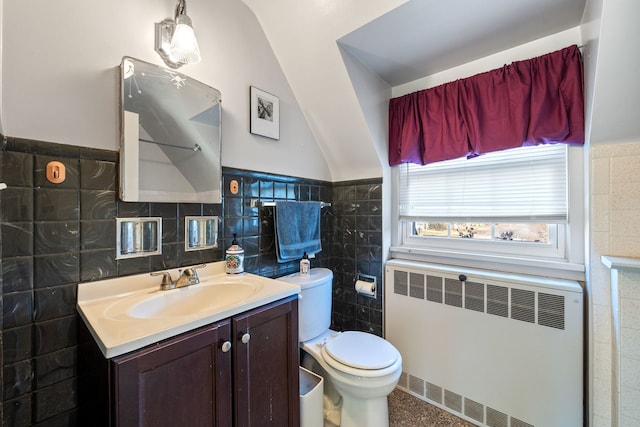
(245, 338)
(226, 346)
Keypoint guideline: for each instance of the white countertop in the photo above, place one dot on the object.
(105, 306)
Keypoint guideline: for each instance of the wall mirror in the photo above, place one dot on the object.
(170, 138)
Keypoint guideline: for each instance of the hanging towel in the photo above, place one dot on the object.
(297, 229)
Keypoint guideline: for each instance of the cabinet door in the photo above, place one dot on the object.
(266, 366)
(184, 381)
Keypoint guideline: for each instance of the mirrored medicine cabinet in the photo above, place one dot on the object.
(170, 136)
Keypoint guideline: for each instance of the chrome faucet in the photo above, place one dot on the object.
(187, 277)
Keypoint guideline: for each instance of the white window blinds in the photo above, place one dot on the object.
(527, 184)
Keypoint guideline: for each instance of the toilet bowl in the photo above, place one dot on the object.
(364, 388)
(360, 369)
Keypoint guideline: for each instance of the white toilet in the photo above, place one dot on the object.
(359, 369)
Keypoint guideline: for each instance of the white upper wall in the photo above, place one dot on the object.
(59, 82)
(304, 37)
(60, 77)
(319, 42)
(590, 29)
(526, 51)
(616, 88)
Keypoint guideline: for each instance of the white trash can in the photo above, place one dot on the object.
(311, 395)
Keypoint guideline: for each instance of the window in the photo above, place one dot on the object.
(516, 232)
(504, 205)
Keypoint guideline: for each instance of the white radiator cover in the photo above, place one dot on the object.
(498, 350)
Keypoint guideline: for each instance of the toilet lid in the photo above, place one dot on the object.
(361, 350)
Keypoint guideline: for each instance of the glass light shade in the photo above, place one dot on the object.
(184, 46)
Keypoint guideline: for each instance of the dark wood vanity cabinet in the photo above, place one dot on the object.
(266, 372)
(185, 381)
(195, 379)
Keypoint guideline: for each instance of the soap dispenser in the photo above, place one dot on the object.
(235, 258)
(305, 265)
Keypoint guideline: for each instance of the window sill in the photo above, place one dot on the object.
(509, 264)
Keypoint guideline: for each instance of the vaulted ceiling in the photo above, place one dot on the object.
(398, 41)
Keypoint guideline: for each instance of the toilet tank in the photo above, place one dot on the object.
(314, 302)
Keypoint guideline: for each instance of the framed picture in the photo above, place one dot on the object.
(265, 114)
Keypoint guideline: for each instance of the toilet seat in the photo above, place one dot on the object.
(360, 353)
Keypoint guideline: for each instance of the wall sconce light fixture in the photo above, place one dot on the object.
(175, 40)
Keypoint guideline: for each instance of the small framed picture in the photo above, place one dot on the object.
(265, 114)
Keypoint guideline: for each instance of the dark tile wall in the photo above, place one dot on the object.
(357, 249)
(253, 225)
(351, 236)
(54, 236)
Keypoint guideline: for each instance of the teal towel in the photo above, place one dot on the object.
(297, 228)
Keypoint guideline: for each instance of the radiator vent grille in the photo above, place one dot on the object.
(498, 300)
(434, 288)
(416, 285)
(433, 393)
(517, 423)
(458, 403)
(551, 310)
(503, 301)
(453, 292)
(474, 410)
(474, 296)
(523, 305)
(453, 401)
(400, 282)
(402, 382)
(496, 418)
(416, 385)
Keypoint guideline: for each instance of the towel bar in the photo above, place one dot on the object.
(256, 203)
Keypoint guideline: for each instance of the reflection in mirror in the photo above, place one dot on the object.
(170, 149)
(201, 232)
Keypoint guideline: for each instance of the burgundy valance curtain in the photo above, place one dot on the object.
(537, 101)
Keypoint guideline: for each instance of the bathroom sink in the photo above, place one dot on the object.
(193, 299)
(127, 313)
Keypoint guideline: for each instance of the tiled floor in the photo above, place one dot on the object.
(409, 411)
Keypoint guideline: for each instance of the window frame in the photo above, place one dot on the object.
(554, 249)
(564, 260)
